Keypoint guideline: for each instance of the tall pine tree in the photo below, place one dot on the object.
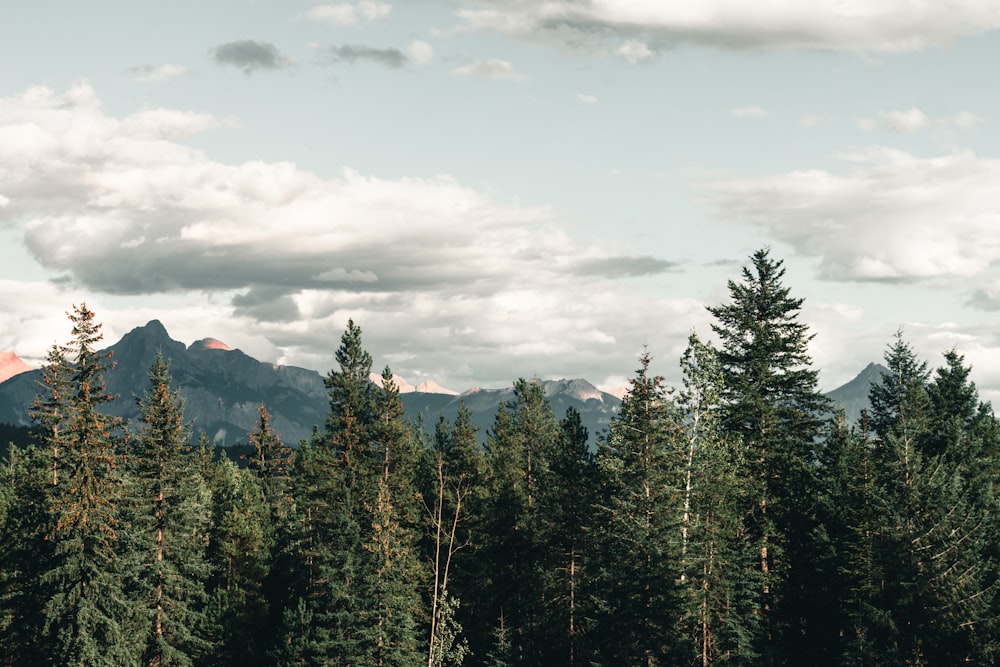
(88, 618)
(771, 403)
(169, 526)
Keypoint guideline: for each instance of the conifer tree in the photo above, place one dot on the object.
(771, 403)
(638, 613)
(454, 467)
(569, 512)
(239, 551)
(88, 618)
(925, 576)
(25, 552)
(519, 453)
(718, 581)
(170, 523)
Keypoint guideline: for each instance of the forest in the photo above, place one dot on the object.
(737, 519)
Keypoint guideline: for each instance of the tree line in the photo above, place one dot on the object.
(736, 520)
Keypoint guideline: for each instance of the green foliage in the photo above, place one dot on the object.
(171, 513)
(639, 526)
(771, 405)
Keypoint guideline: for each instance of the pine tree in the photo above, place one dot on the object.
(519, 453)
(638, 610)
(925, 576)
(718, 581)
(88, 618)
(239, 551)
(25, 552)
(170, 523)
(454, 466)
(771, 403)
(568, 510)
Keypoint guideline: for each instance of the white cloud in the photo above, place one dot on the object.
(284, 256)
(811, 120)
(911, 120)
(420, 52)
(752, 111)
(889, 26)
(890, 216)
(150, 74)
(966, 120)
(586, 99)
(348, 13)
(490, 69)
(635, 51)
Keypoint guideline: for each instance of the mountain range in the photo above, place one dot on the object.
(222, 389)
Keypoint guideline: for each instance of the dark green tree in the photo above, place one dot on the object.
(454, 468)
(771, 403)
(719, 580)
(638, 602)
(240, 553)
(88, 618)
(519, 453)
(169, 527)
(923, 571)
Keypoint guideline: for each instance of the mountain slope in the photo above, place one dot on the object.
(853, 396)
(222, 389)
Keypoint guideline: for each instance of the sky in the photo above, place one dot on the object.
(495, 189)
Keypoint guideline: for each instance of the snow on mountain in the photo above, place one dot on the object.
(402, 385)
(432, 387)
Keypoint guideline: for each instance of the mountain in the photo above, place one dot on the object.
(853, 396)
(11, 365)
(222, 388)
(596, 407)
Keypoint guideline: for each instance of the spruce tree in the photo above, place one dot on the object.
(771, 403)
(169, 526)
(927, 577)
(88, 618)
(638, 603)
(519, 454)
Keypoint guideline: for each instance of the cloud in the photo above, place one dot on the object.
(250, 55)
(586, 99)
(888, 217)
(891, 26)
(420, 53)
(966, 120)
(635, 51)
(150, 74)
(754, 112)
(490, 69)
(348, 13)
(811, 120)
(914, 120)
(353, 53)
(116, 207)
(909, 121)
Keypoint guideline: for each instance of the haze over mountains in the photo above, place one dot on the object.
(223, 387)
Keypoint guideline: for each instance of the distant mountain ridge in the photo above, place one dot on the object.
(222, 388)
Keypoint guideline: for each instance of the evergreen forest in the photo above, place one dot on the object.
(737, 519)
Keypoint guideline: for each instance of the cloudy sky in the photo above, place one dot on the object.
(501, 188)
